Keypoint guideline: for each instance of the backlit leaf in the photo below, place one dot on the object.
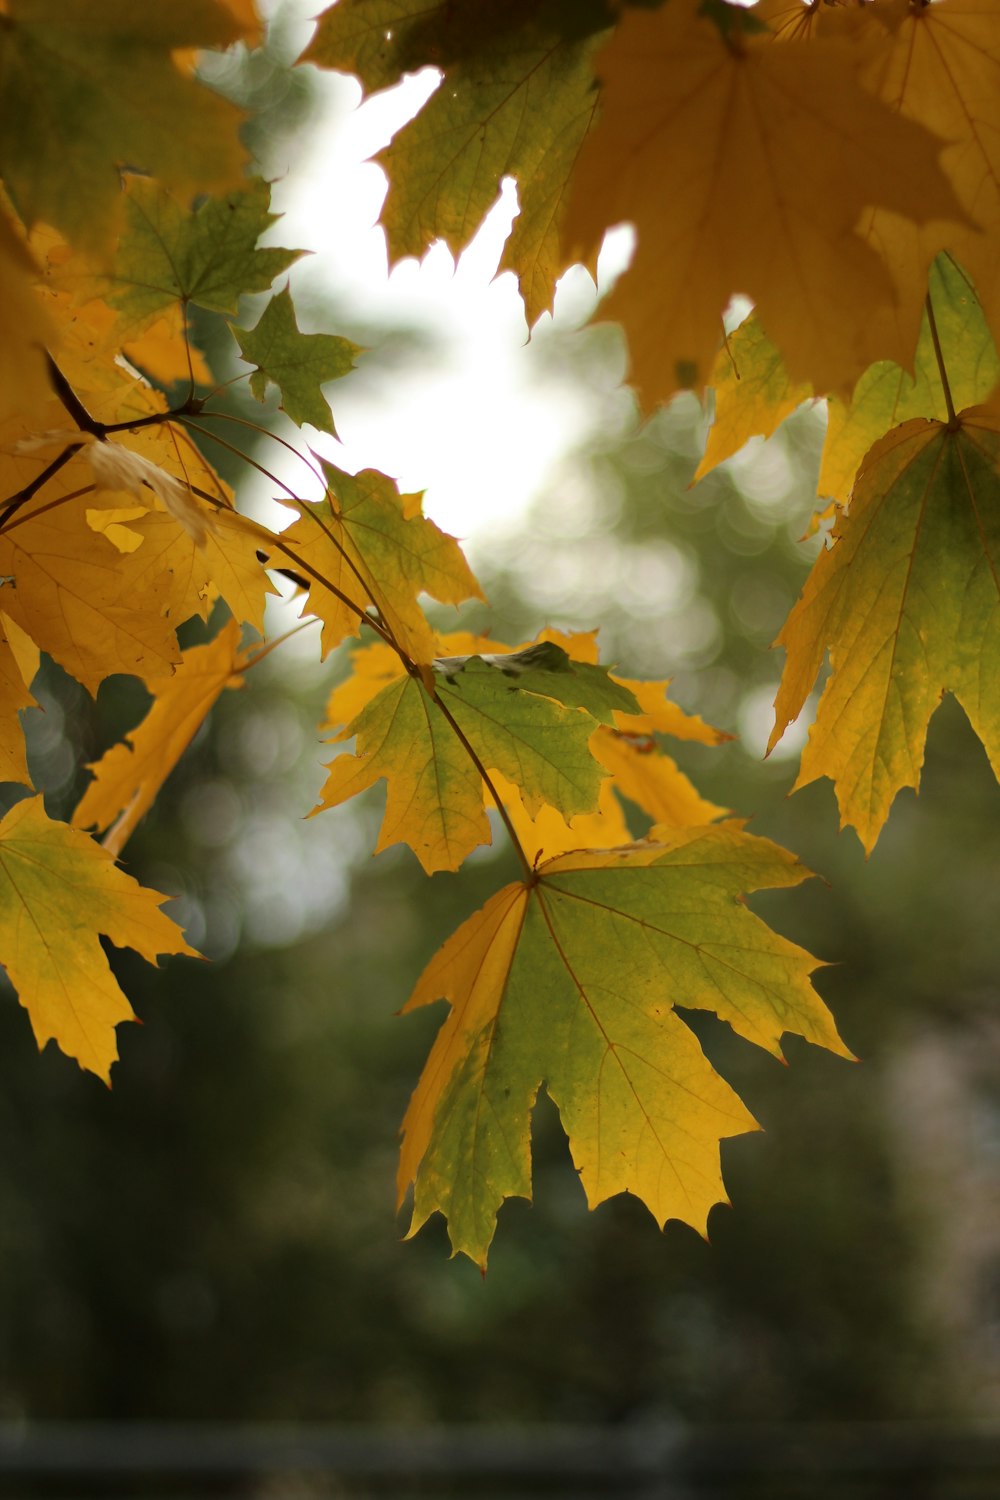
(59, 892)
(745, 168)
(376, 549)
(517, 100)
(526, 715)
(573, 982)
(208, 257)
(907, 603)
(298, 363)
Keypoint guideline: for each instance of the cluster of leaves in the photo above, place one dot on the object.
(831, 162)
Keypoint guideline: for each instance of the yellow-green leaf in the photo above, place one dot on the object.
(572, 981)
(754, 393)
(59, 893)
(529, 715)
(907, 603)
(367, 545)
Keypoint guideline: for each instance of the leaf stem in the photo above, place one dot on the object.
(939, 356)
(228, 416)
(269, 646)
(488, 783)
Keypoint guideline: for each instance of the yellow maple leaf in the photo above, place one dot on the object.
(77, 596)
(128, 778)
(753, 393)
(187, 576)
(906, 601)
(60, 892)
(366, 545)
(744, 167)
(940, 65)
(573, 980)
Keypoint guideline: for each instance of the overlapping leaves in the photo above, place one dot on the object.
(907, 602)
(814, 158)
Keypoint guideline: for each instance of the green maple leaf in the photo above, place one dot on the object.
(91, 89)
(297, 363)
(517, 99)
(572, 980)
(528, 715)
(208, 257)
(907, 602)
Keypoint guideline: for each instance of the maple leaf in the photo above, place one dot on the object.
(89, 90)
(60, 891)
(573, 981)
(906, 601)
(753, 393)
(745, 167)
(636, 768)
(297, 363)
(167, 255)
(75, 594)
(376, 549)
(940, 65)
(128, 778)
(517, 100)
(528, 715)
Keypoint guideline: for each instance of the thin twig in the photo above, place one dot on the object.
(23, 496)
(269, 646)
